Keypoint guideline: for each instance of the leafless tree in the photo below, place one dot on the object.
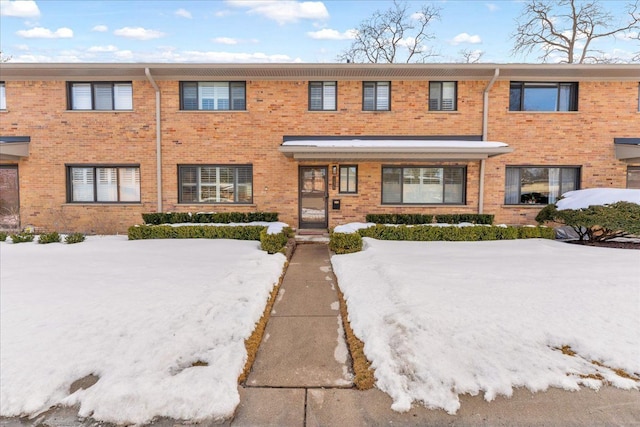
(394, 35)
(4, 58)
(471, 56)
(564, 29)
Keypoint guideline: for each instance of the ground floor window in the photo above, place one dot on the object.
(348, 179)
(539, 185)
(103, 184)
(633, 177)
(215, 184)
(423, 185)
(9, 197)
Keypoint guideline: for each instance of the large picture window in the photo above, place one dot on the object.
(423, 185)
(105, 96)
(215, 184)
(376, 96)
(539, 185)
(212, 96)
(543, 96)
(322, 96)
(103, 184)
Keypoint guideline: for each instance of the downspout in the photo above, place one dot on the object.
(485, 131)
(158, 138)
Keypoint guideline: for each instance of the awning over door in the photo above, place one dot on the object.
(627, 149)
(14, 147)
(390, 149)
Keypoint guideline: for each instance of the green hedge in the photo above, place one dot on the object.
(3, 236)
(141, 232)
(416, 219)
(52, 237)
(342, 243)
(273, 243)
(22, 237)
(345, 243)
(158, 218)
(74, 238)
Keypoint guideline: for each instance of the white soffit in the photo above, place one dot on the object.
(392, 149)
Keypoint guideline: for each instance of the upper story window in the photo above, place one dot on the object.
(103, 184)
(376, 96)
(543, 96)
(3, 97)
(212, 96)
(443, 96)
(322, 96)
(539, 184)
(102, 96)
(423, 185)
(215, 184)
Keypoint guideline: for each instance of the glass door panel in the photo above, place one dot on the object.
(313, 197)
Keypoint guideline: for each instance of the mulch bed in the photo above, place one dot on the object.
(617, 245)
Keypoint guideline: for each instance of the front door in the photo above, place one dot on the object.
(9, 198)
(313, 197)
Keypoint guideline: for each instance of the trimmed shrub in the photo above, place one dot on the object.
(52, 237)
(3, 236)
(158, 218)
(536, 233)
(484, 219)
(596, 223)
(141, 232)
(345, 243)
(408, 219)
(74, 238)
(22, 237)
(273, 243)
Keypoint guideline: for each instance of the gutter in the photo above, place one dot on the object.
(158, 139)
(485, 131)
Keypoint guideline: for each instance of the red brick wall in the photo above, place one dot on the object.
(278, 108)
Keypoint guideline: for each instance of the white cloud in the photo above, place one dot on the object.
(183, 13)
(492, 7)
(19, 9)
(109, 48)
(138, 33)
(284, 11)
(124, 55)
(45, 33)
(225, 40)
(100, 28)
(628, 36)
(222, 13)
(328, 34)
(466, 38)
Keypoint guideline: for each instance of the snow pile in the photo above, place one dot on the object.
(138, 314)
(439, 319)
(582, 199)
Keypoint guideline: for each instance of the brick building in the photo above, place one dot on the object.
(89, 147)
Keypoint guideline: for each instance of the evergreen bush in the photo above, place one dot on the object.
(52, 237)
(22, 237)
(74, 238)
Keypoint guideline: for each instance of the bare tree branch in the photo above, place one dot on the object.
(394, 35)
(471, 56)
(563, 30)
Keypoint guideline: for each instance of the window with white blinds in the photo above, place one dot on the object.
(102, 96)
(322, 96)
(103, 184)
(376, 96)
(212, 96)
(215, 184)
(443, 96)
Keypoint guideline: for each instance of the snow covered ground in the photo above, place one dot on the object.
(440, 319)
(582, 199)
(138, 314)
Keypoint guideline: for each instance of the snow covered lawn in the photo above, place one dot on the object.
(138, 314)
(439, 319)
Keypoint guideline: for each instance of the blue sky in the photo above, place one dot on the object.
(246, 31)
